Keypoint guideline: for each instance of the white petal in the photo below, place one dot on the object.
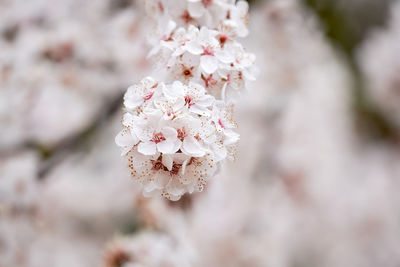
(242, 31)
(169, 133)
(175, 188)
(209, 63)
(180, 158)
(251, 73)
(143, 132)
(225, 56)
(197, 109)
(183, 168)
(125, 138)
(178, 104)
(223, 91)
(125, 150)
(242, 6)
(231, 137)
(192, 147)
(170, 27)
(177, 89)
(133, 102)
(248, 60)
(169, 146)
(128, 119)
(196, 9)
(194, 48)
(152, 193)
(175, 198)
(163, 179)
(178, 51)
(148, 82)
(208, 36)
(167, 161)
(154, 50)
(147, 148)
(220, 152)
(151, 186)
(205, 101)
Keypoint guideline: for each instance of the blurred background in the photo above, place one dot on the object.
(316, 181)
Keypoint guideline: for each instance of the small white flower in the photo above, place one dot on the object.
(208, 12)
(242, 61)
(222, 116)
(126, 139)
(184, 69)
(207, 46)
(140, 93)
(155, 137)
(192, 96)
(238, 18)
(163, 32)
(189, 132)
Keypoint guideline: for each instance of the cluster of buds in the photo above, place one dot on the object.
(178, 128)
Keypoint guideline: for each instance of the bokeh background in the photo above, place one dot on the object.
(316, 182)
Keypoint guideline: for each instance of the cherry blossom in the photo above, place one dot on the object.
(156, 137)
(139, 94)
(208, 11)
(193, 95)
(178, 129)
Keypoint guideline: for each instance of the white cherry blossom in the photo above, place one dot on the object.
(155, 136)
(238, 19)
(193, 95)
(189, 132)
(208, 47)
(179, 129)
(207, 11)
(141, 93)
(185, 69)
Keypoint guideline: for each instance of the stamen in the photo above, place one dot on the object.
(148, 96)
(158, 137)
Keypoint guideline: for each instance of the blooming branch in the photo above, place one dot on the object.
(178, 128)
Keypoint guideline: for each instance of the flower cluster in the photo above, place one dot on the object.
(207, 57)
(179, 128)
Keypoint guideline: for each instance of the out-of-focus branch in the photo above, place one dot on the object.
(52, 156)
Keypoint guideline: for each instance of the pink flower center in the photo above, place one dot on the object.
(148, 96)
(157, 165)
(222, 39)
(197, 137)
(206, 3)
(208, 51)
(175, 169)
(209, 81)
(187, 72)
(220, 123)
(186, 17)
(181, 134)
(161, 7)
(240, 75)
(165, 37)
(158, 137)
(188, 101)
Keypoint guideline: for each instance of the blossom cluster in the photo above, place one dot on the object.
(178, 128)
